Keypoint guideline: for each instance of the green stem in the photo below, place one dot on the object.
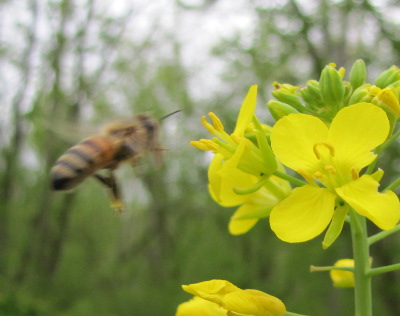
(251, 189)
(362, 266)
(393, 185)
(329, 268)
(388, 142)
(380, 149)
(289, 178)
(383, 234)
(380, 270)
(293, 314)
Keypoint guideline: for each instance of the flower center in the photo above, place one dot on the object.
(327, 172)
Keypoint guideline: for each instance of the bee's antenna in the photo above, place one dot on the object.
(168, 115)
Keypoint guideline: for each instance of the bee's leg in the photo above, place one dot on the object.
(158, 156)
(135, 162)
(111, 183)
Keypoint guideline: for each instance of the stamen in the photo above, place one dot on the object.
(318, 175)
(330, 169)
(354, 174)
(305, 175)
(216, 122)
(230, 148)
(236, 139)
(324, 144)
(208, 126)
(205, 144)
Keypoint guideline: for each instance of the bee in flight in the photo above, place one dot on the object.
(121, 141)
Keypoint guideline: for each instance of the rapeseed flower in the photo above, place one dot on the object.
(200, 307)
(240, 173)
(342, 278)
(255, 156)
(232, 300)
(331, 159)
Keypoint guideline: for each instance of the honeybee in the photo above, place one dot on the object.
(121, 141)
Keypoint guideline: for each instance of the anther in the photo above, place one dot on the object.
(216, 122)
(330, 169)
(324, 144)
(208, 126)
(318, 175)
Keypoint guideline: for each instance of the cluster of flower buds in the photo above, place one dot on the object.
(324, 98)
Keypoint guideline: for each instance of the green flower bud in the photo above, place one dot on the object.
(332, 89)
(280, 109)
(358, 73)
(361, 94)
(395, 87)
(348, 89)
(288, 94)
(388, 77)
(312, 95)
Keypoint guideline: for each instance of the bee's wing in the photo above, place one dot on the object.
(69, 132)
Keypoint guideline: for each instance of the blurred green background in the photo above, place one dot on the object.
(71, 65)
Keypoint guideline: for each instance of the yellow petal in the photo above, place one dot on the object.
(383, 209)
(232, 298)
(200, 307)
(238, 226)
(355, 131)
(222, 183)
(213, 290)
(293, 138)
(254, 302)
(246, 111)
(303, 215)
(341, 278)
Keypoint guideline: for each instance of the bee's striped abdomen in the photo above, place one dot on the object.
(81, 161)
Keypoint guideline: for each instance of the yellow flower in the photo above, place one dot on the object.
(240, 172)
(331, 159)
(225, 177)
(257, 158)
(233, 299)
(200, 307)
(341, 278)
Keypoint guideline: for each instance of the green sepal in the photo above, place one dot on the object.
(267, 153)
(358, 73)
(312, 95)
(336, 225)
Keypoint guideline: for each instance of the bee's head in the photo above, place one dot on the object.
(150, 124)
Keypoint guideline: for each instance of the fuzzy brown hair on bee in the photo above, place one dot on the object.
(121, 141)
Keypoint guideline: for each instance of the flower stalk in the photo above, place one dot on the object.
(362, 265)
(383, 234)
(384, 269)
